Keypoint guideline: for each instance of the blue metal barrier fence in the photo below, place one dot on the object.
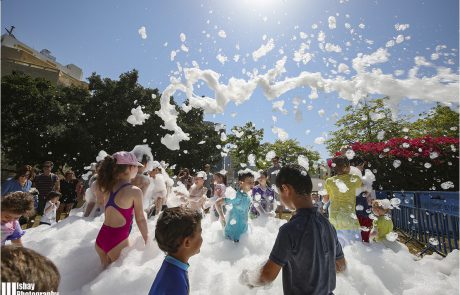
(431, 218)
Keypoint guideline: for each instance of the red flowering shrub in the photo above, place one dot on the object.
(413, 164)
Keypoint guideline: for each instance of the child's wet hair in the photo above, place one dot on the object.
(18, 203)
(296, 176)
(174, 225)
(340, 162)
(20, 264)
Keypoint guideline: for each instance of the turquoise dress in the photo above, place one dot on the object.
(237, 222)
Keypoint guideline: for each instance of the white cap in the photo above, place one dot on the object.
(156, 165)
(202, 174)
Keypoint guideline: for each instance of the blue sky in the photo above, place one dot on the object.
(102, 37)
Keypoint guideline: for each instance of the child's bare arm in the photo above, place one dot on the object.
(139, 214)
(219, 204)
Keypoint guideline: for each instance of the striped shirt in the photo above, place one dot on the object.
(45, 184)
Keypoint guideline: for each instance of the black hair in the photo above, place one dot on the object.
(53, 194)
(243, 175)
(174, 225)
(356, 161)
(341, 162)
(296, 176)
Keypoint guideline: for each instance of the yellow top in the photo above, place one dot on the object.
(342, 195)
(384, 226)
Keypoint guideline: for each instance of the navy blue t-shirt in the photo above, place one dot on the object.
(307, 248)
(171, 279)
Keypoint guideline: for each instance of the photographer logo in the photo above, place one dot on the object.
(9, 288)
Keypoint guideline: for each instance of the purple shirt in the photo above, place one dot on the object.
(266, 201)
(11, 231)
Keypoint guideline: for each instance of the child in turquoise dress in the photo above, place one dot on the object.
(236, 223)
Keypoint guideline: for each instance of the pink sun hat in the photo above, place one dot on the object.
(126, 158)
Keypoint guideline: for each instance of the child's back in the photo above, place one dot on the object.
(342, 193)
(307, 249)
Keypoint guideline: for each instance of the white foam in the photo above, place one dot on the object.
(372, 269)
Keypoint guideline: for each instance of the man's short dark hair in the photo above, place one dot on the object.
(296, 176)
(174, 225)
(20, 264)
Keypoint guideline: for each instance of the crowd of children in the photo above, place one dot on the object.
(308, 248)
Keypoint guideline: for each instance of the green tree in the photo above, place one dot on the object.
(36, 117)
(244, 140)
(369, 121)
(71, 125)
(289, 151)
(439, 121)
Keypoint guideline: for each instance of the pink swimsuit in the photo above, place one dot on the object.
(108, 236)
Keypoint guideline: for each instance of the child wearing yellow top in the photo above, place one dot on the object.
(341, 192)
(382, 225)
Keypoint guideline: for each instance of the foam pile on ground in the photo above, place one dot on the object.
(372, 269)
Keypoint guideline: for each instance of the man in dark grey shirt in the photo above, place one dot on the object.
(306, 248)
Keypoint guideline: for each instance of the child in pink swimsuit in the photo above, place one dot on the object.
(114, 177)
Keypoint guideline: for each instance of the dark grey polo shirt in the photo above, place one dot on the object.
(306, 248)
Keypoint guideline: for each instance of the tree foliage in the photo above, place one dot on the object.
(243, 141)
(369, 121)
(439, 121)
(71, 125)
(246, 140)
(289, 151)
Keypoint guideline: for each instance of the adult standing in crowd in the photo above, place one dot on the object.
(46, 182)
(20, 181)
(69, 194)
(208, 183)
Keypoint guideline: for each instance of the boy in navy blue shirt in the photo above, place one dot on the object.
(306, 247)
(178, 233)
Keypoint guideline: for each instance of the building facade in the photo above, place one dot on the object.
(17, 56)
